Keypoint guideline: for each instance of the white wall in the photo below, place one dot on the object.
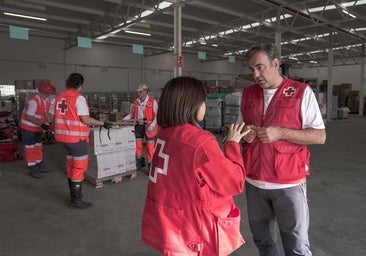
(341, 74)
(115, 68)
(105, 67)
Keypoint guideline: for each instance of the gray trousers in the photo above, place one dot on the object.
(289, 209)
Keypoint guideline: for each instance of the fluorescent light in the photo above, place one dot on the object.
(128, 23)
(103, 37)
(164, 5)
(214, 45)
(322, 8)
(24, 16)
(115, 31)
(137, 33)
(330, 7)
(144, 14)
(348, 13)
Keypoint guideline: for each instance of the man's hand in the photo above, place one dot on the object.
(252, 133)
(45, 127)
(269, 134)
(107, 125)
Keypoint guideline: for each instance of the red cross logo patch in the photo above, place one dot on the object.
(62, 106)
(164, 160)
(289, 91)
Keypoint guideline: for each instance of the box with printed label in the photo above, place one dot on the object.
(116, 139)
(110, 164)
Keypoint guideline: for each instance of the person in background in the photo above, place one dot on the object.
(34, 120)
(72, 122)
(143, 111)
(284, 117)
(189, 207)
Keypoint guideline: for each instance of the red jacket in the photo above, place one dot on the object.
(68, 126)
(189, 204)
(280, 161)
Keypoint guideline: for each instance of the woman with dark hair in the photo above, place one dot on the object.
(189, 207)
(72, 122)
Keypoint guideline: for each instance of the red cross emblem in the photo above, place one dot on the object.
(289, 91)
(163, 160)
(62, 106)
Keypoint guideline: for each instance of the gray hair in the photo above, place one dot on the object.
(269, 49)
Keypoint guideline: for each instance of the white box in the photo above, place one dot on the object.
(120, 138)
(110, 164)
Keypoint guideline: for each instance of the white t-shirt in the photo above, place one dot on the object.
(82, 108)
(32, 106)
(311, 118)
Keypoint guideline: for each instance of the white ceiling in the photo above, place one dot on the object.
(233, 25)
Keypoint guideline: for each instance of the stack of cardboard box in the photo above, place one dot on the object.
(112, 153)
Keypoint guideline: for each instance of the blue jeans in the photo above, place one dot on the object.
(289, 209)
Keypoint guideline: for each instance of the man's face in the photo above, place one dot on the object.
(142, 94)
(265, 72)
(44, 95)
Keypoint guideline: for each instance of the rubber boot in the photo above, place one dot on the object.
(140, 163)
(148, 168)
(76, 201)
(70, 188)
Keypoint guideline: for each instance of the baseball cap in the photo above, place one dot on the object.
(142, 87)
(46, 88)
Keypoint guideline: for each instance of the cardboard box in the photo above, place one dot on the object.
(110, 164)
(121, 138)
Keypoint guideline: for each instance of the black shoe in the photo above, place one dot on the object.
(79, 204)
(35, 172)
(43, 168)
(36, 175)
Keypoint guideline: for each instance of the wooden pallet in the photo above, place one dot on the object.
(98, 183)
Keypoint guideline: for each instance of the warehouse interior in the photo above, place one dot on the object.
(36, 218)
(119, 44)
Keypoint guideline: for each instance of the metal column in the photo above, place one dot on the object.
(178, 58)
(362, 81)
(330, 80)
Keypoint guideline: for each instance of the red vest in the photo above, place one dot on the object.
(68, 126)
(189, 204)
(149, 114)
(281, 161)
(148, 111)
(42, 110)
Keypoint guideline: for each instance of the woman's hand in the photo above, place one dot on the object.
(236, 132)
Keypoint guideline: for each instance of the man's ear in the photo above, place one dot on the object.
(276, 63)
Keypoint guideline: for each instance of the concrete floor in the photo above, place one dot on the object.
(35, 218)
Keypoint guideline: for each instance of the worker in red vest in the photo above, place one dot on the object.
(72, 122)
(143, 111)
(34, 119)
